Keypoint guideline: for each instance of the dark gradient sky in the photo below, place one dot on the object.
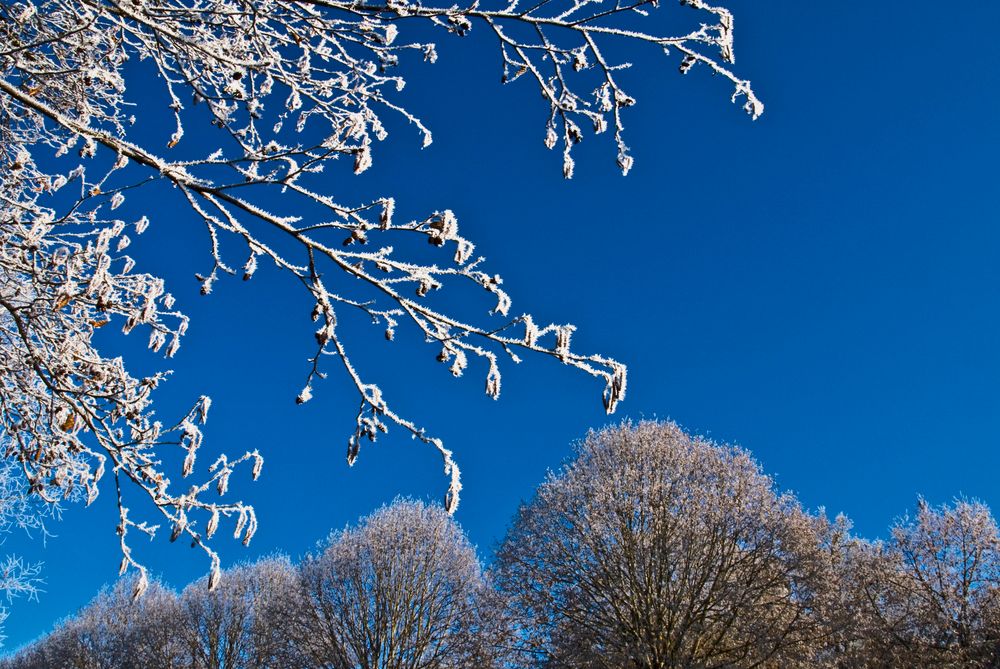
(819, 286)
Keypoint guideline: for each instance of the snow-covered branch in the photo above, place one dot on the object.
(291, 86)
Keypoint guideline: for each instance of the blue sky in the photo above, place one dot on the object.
(818, 286)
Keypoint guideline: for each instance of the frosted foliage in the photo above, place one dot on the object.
(68, 410)
(654, 549)
(403, 590)
(21, 512)
(290, 86)
(931, 592)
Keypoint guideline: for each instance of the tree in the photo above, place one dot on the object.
(931, 593)
(291, 86)
(402, 590)
(655, 549)
(114, 631)
(837, 600)
(243, 623)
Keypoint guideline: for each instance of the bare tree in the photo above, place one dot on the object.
(244, 622)
(291, 86)
(932, 591)
(404, 590)
(837, 602)
(655, 549)
(114, 631)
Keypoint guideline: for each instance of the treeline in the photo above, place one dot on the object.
(651, 549)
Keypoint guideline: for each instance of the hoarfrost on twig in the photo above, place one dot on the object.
(290, 87)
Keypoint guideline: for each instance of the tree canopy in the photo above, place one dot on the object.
(650, 549)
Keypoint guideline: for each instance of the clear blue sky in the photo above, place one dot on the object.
(819, 286)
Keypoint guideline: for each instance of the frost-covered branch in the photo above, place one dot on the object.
(290, 86)
(69, 411)
(23, 512)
